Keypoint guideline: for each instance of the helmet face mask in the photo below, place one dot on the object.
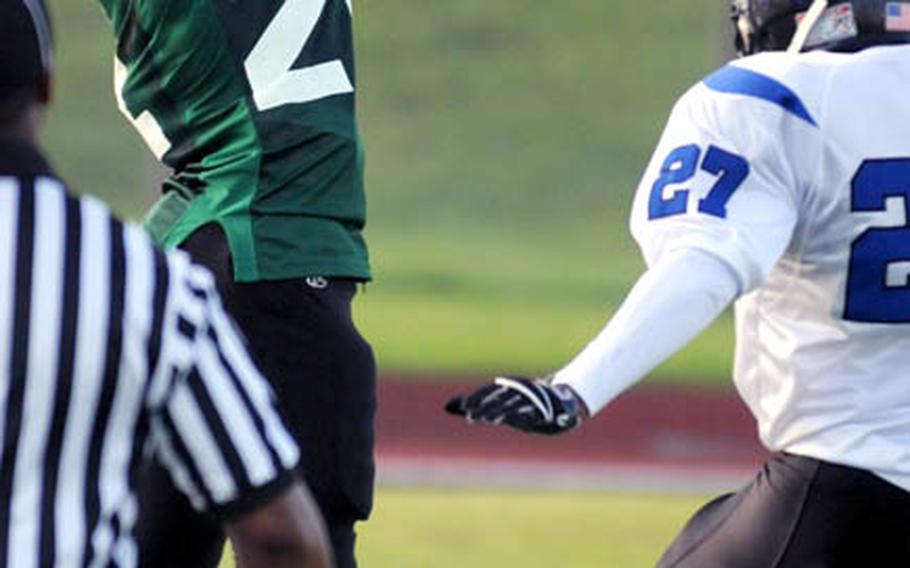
(769, 25)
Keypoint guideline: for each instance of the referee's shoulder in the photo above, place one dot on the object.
(139, 256)
(171, 277)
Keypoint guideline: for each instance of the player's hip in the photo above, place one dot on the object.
(799, 511)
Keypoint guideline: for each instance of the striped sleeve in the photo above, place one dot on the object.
(214, 421)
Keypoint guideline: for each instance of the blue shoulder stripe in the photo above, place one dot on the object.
(732, 79)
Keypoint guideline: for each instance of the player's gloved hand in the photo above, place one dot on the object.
(532, 405)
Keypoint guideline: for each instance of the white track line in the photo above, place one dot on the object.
(441, 472)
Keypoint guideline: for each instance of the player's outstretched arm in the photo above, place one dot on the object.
(532, 405)
(669, 305)
(285, 532)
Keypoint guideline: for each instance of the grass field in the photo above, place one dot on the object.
(422, 529)
(503, 140)
(433, 305)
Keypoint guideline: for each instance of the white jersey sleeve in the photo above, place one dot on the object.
(723, 181)
(654, 321)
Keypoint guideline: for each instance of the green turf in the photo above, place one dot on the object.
(503, 145)
(90, 143)
(502, 311)
(424, 528)
(503, 142)
(452, 529)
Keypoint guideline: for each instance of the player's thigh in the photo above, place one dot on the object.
(749, 529)
(850, 518)
(324, 375)
(797, 513)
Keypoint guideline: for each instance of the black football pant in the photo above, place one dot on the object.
(301, 334)
(800, 512)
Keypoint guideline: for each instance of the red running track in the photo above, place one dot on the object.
(652, 437)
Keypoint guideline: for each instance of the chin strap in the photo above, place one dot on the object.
(805, 27)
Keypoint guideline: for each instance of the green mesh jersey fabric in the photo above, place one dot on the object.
(252, 105)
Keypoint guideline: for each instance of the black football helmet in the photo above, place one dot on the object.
(769, 25)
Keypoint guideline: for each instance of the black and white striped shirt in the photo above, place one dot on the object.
(111, 350)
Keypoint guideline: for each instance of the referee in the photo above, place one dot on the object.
(111, 351)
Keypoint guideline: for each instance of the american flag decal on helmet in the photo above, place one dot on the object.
(897, 17)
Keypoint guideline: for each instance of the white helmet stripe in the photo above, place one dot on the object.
(805, 27)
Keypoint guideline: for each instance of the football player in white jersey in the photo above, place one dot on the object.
(781, 183)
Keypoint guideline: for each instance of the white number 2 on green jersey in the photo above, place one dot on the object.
(268, 66)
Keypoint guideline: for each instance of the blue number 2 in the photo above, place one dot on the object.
(870, 296)
(681, 165)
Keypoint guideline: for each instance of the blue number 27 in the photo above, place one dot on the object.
(681, 165)
(873, 294)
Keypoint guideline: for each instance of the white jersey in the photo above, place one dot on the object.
(795, 171)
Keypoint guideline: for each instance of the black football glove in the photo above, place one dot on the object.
(532, 405)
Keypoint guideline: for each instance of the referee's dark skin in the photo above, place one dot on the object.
(282, 530)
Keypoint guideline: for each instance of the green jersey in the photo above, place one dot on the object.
(252, 105)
